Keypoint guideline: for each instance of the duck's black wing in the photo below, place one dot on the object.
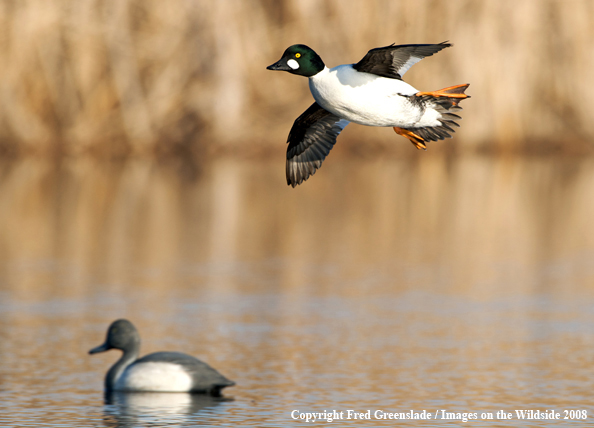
(393, 61)
(311, 138)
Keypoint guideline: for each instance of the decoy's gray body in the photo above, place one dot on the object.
(156, 372)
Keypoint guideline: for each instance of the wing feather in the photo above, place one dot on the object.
(310, 140)
(393, 61)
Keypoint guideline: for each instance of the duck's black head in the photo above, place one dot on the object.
(299, 59)
(121, 335)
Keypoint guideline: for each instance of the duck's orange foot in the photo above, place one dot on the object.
(417, 141)
(454, 93)
(450, 92)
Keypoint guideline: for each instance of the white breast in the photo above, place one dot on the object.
(154, 376)
(364, 98)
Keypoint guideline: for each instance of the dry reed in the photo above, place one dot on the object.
(129, 76)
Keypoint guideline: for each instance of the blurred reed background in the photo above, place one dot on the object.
(120, 77)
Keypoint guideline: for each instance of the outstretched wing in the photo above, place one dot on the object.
(393, 61)
(310, 140)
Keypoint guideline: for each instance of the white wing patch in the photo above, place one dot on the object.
(293, 64)
(408, 64)
(154, 376)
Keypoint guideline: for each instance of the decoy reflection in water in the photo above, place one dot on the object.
(127, 407)
(156, 372)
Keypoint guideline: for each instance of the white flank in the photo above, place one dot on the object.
(293, 64)
(365, 98)
(153, 376)
(430, 117)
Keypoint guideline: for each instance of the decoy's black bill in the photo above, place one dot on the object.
(280, 65)
(100, 348)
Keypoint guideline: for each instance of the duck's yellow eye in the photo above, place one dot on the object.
(297, 55)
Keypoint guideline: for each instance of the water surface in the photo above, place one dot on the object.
(397, 284)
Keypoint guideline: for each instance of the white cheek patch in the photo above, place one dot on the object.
(293, 64)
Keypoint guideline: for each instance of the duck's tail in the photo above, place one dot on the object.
(444, 101)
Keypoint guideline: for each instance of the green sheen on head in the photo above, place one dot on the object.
(300, 60)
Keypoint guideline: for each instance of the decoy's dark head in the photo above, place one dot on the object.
(121, 335)
(299, 59)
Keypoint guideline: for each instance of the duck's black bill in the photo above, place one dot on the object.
(100, 348)
(280, 65)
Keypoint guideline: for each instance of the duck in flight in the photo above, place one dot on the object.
(370, 92)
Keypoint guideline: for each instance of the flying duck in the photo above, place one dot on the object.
(156, 372)
(370, 92)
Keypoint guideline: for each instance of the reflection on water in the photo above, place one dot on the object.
(137, 408)
(393, 284)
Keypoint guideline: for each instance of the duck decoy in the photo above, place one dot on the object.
(156, 372)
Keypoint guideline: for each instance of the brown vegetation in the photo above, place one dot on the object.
(129, 76)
